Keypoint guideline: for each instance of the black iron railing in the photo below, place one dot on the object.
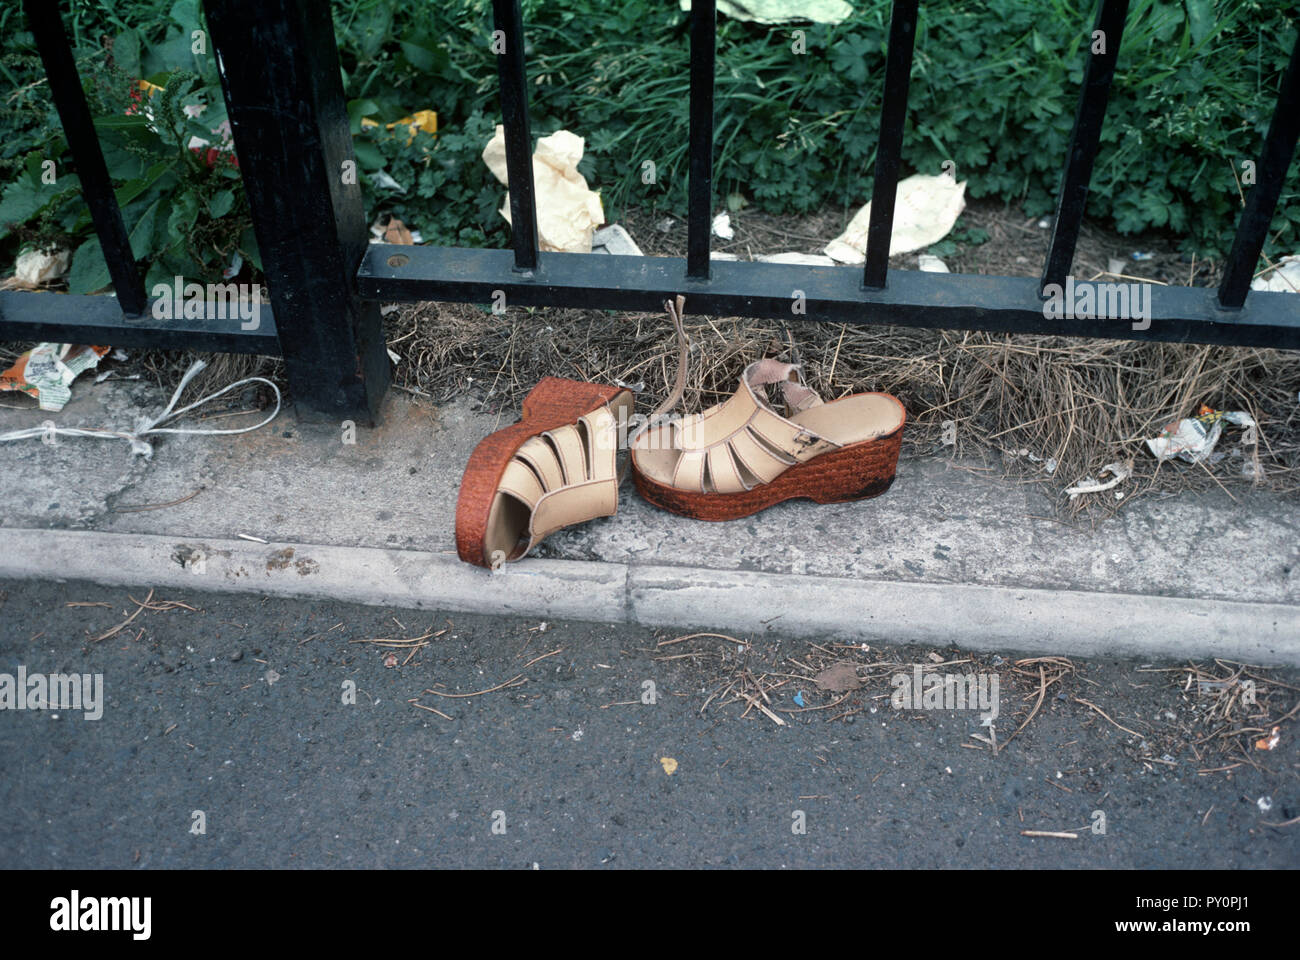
(280, 75)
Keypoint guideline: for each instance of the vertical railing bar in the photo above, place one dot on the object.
(78, 127)
(893, 117)
(509, 22)
(1261, 202)
(283, 89)
(700, 184)
(1084, 138)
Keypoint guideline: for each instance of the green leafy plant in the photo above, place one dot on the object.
(436, 183)
(182, 203)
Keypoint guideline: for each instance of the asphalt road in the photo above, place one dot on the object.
(235, 717)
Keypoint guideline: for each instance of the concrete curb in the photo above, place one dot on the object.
(1036, 621)
(1067, 622)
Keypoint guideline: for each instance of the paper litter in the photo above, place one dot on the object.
(807, 259)
(1119, 473)
(616, 241)
(783, 11)
(568, 212)
(925, 210)
(1194, 438)
(1283, 278)
(35, 268)
(47, 370)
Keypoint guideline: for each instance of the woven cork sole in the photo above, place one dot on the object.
(552, 404)
(855, 472)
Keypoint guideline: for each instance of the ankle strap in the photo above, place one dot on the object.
(797, 396)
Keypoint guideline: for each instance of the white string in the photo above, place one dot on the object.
(145, 425)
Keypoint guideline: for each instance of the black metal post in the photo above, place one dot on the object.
(65, 87)
(1279, 148)
(280, 72)
(509, 23)
(1083, 140)
(893, 116)
(700, 185)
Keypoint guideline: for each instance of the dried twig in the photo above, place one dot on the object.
(127, 621)
(1042, 689)
(753, 702)
(420, 706)
(543, 657)
(158, 506)
(692, 636)
(1093, 706)
(478, 693)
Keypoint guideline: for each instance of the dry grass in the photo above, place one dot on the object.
(1016, 402)
(1214, 717)
(1224, 712)
(1082, 403)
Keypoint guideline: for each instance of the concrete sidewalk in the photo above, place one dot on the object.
(950, 554)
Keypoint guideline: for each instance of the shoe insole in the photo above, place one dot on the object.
(863, 416)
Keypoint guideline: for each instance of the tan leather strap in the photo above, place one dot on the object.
(739, 443)
(683, 357)
(565, 476)
(797, 396)
(735, 445)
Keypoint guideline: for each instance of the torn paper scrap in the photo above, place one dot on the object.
(1282, 278)
(396, 232)
(382, 179)
(722, 226)
(568, 213)
(47, 370)
(426, 120)
(925, 210)
(1194, 438)
(616, 241)
(782, 11)
(35, 267)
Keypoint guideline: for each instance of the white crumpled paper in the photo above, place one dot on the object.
(568, 213)
(782, 11)
(35, 267)
(925, 210)
(1285, 278)
(807, 259)
(616, 241)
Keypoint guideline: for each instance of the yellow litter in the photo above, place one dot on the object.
(426, 120)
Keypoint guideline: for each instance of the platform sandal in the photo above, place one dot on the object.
(552, 469)
(742, 456)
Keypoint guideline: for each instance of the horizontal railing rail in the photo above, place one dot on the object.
(913, 298)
